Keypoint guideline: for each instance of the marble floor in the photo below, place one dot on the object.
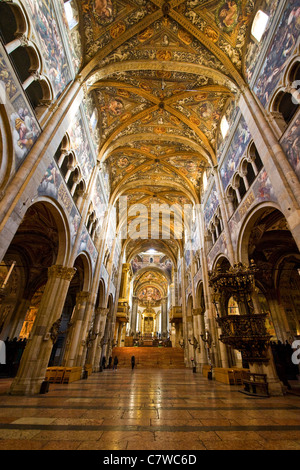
(150, 409)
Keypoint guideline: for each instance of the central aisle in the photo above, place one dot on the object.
(150, 409)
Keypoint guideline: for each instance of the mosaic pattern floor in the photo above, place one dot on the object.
(147, 410)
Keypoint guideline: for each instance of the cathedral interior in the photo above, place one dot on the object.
(149, 209)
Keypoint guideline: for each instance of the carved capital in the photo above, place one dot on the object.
(82, 296)
(23, 39)
(61, 272)
(102, 311)
(198, 311)
(36, 76)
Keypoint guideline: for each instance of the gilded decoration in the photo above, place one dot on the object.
(159, 77)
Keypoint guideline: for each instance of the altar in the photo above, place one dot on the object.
(147, 339)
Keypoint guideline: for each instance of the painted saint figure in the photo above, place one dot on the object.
(104, 10)
(227, 15)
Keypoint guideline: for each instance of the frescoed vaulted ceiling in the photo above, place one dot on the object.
(150, 287)
(162, 74)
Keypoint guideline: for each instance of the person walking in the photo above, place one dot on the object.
(132, 362)
(115, 362)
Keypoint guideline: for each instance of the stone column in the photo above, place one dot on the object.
(37, 353)
(119, 328)
(95, 351)
(108, 335)
(76, 334)
(134, 315)
(124, 281)
(140, 322)
(164, 317)
(210, 314)
(198, 315)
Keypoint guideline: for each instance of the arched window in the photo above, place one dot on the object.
(259, 25)
(24, 56)
(242, 188)
(232, 199)
(250, 175)
(287, 106)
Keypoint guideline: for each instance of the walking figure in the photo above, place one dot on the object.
(115, 363)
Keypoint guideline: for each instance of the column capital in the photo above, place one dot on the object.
(61, 272)
(82, 296)
(102, 311)
(23, 39)
(198, 311)
(126, 267)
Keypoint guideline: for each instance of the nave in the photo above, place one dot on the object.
(147, 409)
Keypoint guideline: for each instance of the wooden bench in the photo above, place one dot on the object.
(60, 372)
(64, 375)
(51, 374)
(240, 374)
(256, 385)
(72, 374)
(88, 368)
(224, 375)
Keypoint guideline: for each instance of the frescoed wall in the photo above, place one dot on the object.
(279, 52)
(235, 152)
(211, 205)
(92, 115)
(73, 33)
(260, 191)
(231, 115)
(99, 202)
(149, 294)
(86, 244)
(51, 46)
(291, 144)
(53, 185)
(254, 48)
(24, 126)
(80, 145)
(219, 247)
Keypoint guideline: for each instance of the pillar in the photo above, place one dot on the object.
(124, 280)
(98, 330)
(37, 353)
(134, 315)
(76, 332)
(164, 317)
(198, 315)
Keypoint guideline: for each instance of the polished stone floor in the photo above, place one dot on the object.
(150, 409)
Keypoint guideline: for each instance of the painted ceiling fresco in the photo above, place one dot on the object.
(150, 287)
(161, 74)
